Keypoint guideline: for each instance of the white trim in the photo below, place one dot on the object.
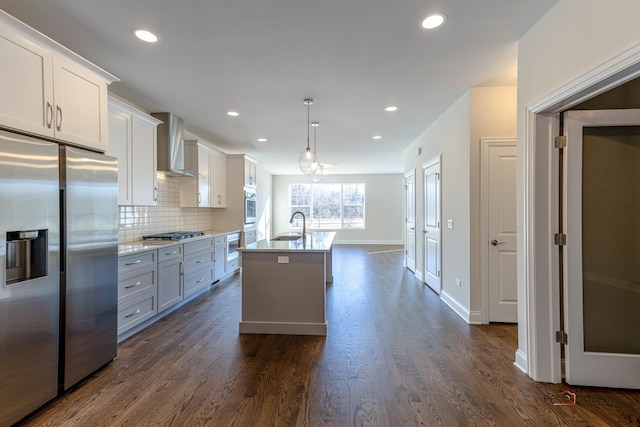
(368, 242)
(418, 275)
(475, 318)
(485, 144)
(408, 174)
(521, 361)
(542, 304)
(282, 328)
(458, 308)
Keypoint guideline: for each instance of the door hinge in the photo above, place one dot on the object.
(438, 273)
(561, 337)
(560, 239)
(560, 141)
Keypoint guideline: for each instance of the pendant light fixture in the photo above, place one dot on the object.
(318, 173)
(308, 161)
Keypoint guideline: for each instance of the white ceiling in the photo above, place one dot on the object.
(263, 57)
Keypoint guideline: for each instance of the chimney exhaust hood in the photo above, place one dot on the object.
(171, 145)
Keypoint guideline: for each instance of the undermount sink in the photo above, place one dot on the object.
(288, 237)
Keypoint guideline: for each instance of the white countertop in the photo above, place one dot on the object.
(152, 245)
(315, 241)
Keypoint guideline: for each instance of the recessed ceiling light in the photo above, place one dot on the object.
(433, 21)
(233, 113)
(262, 139)
(377, 137)
(145, 36)
(391, 108)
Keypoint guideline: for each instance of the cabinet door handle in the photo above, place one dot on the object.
(133, 286)
(199, 198)
(138, 261)
(181, 270)
(171, 253)
(49, 114)
(132, 314)
(200, 281)
(155, 194)
(59, 117)
(219, 199)
(198, 262)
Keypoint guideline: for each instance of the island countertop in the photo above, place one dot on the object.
(315, 241)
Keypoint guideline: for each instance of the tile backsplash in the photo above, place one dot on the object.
(137, 221)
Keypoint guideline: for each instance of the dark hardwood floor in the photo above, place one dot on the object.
(394, 355)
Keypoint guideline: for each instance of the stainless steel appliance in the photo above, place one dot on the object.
(250, 206)
(89, 268)
(58, 269)
(233, 243)
(170, 148)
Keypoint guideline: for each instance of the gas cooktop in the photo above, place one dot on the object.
(174, 235)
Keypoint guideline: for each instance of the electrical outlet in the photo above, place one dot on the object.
(449, 223)
(283, 260)
(458, 282)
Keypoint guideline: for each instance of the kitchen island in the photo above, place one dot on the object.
(284, 284)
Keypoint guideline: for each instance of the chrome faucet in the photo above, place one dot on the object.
(304, 223)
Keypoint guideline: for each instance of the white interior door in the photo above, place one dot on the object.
(410, 223)
(601, 281)
(500, 190)
(432, 237)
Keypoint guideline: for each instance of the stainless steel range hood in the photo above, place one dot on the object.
(171, 145)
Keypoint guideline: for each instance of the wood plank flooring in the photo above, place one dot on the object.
(394, 355)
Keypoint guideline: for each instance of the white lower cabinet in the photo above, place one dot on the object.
(170, 276)
(137, 289)
(219, 257)
(198, 266)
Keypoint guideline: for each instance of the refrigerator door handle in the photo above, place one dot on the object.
(63, 232)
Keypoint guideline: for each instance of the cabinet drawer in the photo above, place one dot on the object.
(198, 280)
(200, 245)
(136, 312)
(133, 284)
(232, 265)
(136, 261)
(198, 261)
(220, 240)
(171, 252)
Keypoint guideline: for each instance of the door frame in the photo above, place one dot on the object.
(485, 144)
(434, 161)
(538, 260)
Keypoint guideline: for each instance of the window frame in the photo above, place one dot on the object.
(297, 223)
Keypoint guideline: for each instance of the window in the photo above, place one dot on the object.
(328, 206)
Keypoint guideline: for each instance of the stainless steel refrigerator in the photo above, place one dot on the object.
(58, 269)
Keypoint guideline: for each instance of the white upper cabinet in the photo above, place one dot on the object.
(50, 91)
(195, 192)
(249, 173)
(219, 190)
(133, 140)
(209, 188)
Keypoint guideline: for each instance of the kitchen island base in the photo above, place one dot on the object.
(284, 292)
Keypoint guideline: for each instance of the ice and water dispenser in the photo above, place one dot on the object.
(26, 255)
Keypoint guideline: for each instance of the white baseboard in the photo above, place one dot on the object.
(418, 274)
(475, 318)
(455, 306)
(368, 242)
(521, 361)
(283, 328)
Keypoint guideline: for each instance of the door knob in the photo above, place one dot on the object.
(494, 242)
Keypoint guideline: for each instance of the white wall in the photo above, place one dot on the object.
(493, 115)
(383, 207)
(447, 136)
(264, 204)
(571, 40)
(483, 112)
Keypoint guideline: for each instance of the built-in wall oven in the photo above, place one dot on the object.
(233, 242)
(249, 206)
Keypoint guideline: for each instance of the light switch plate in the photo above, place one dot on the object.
(449, 223)
(283, 260)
